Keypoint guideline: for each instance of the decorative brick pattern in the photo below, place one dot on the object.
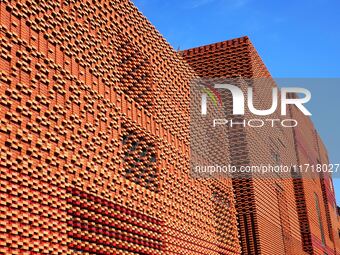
(273, 214)
(310, 150)
(94, 141)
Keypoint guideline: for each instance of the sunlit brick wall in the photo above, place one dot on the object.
(266, 207)
(318, 232)
(95, 137)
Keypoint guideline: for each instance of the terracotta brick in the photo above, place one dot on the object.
(95, 136)
(94, 142)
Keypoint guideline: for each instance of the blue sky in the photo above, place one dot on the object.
(294, 38)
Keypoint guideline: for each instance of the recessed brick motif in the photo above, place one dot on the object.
(95, 148)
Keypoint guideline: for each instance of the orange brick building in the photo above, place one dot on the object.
(265, 228)
(279, 215)
(315, 198)
(94, 144)
(94, 137)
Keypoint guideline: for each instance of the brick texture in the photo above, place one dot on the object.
(274, 215)
(94, 144)
(94, 137)
(319, 231)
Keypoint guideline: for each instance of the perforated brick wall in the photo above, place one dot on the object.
(318, 226)
(95, 135)
(94, 144)
(266, 207)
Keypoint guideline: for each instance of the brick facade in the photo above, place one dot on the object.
(265, 228)
(94, 137)
(94, 143)
(318, 220)
(276, 216)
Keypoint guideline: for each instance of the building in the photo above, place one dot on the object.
(301, 217)
(94, 144)
(265, 228)
(314, 193)
(94, 137)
